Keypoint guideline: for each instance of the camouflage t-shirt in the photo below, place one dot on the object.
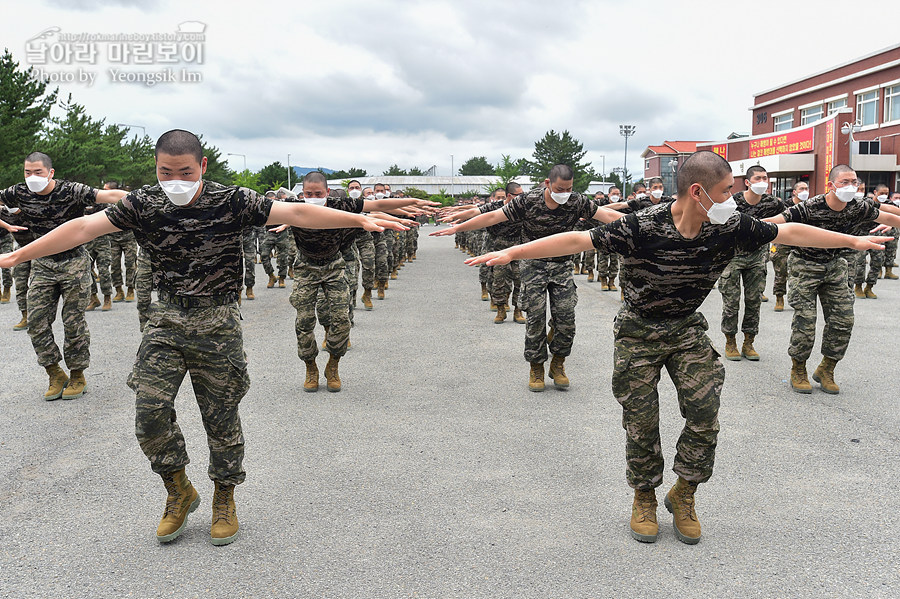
(42, 214)
(767, 207)
(539, 221)
(635, 204)
(816, 212)
(506, 230)
(665, 275)
(323, 244)
(195, 250)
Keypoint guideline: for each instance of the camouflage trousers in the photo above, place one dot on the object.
(890, 248)
(351, 268)
(506, 278)
(251, 241)
(851, 257)
(589, 260)
(281, 243)
(50, 281)
(331, 277)
(540, 279)
(99, 251)
(365, 247)
(607, 265)
(21, 274)
(143, 282)
(751, 269)
(412, 241)
(122, 245)
(876, 260)
(389, 240)
(6, 246)
(827, 282)
(399, 247)
(207, 343)
(382, 262)
(485, 272)
(643, 347)
(779, 263)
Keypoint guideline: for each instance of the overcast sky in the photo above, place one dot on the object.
(349, 83)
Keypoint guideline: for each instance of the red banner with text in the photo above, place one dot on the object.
(829, 154)
(785, 143)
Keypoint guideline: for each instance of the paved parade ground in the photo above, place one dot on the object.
(436, 473)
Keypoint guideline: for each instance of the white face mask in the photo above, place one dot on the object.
(316, 201)
(560, 198)
(379, 195)
(859, 195)
(387, 194)
(370, 197)
(846, 193)
(613, 199)
(719, 213)
(803, 196)
(882, 198)
(640, 195)
(656, 193)
(180, 193)
(760, 187)
(355, 193)
(37, 184)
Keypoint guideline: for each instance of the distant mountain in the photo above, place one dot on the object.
(303, 170)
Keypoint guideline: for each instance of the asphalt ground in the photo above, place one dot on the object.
(436, 473)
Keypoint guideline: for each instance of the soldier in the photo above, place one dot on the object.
(384, 251)
(890, 248)
(876, 257)
(6, 246)
(277, 239)
(589, 258)
(45, 203)
(608, 264)
(100, 252)
(21, 272)
(191, 229)
(642, 199)
(122, 246)
(672, 255)
(780, 253)
(365, 247)
(822, 274)
(543, 211)
(747, 267)
(143, 281)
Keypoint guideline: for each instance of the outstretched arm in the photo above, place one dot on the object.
(605, 214)
(479, 222)
(392, 203)
(62, 238)
(561, 244)
(888, 218)
(308, 216)
(11, 228)
(805, 235)
(110, 196)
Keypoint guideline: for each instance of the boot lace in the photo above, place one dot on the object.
(173, 501)
(221, 506)
(647, 507)
(686, 497)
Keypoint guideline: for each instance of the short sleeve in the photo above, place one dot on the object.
(491, 206)
(616, 237)
(634, 204)
(516, 210)
(254, 208)
(8, 196)
(794, 214)
(85, 194)
(753, 233)
(869, 211)
(124, 214)
(590, 208)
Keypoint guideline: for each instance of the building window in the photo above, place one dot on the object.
(867, 108)
(870, 147)
(836, 105)
(646, 165)
(809, 115)
(892, 103)
(783, 121)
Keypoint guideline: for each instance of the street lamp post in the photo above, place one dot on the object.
(451, 175)
(626, 131)
(289, 172)
(603, 169)
(244, 156)
(141, 127)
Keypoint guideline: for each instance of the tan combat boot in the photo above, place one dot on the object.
(4, 296)
(291, 272)
(367, 299)
(576, 270)
(380, 286)
(250, 295)
(93, 304)
(281, 282)
(518, 316)
(76, 387)
(58, 380)
(888, 274)
(129, 297)
(501, 314)
(224, 527)
(858, 292)
(584, 270)
(485, 295)
(869, 293)
(331, 375)
(107, 303)
(747, 350)
(311, 385)
(644, 527)
(271, 282)
(779, 303)
(181, 501)
(731, 350)
(680, 503)
(612, 284)
(799, 381)
(393, 276)
(536, 377)
(604, 284)
(386, 285)
(763, 298)
(22, 324)
(557, 372)
(824, 375)
(590, 275)
(325, 338)
(120, 294)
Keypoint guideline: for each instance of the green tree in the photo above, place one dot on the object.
(248, 179)
(24, 107)
(394, 171)
(477, 165)
(416, 172)
(216, 169)
(506, 171)
(273, 176)
(560, 148)
(139, 166)
(414, 192)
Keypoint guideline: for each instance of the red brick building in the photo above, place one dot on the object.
(663, 161)
(801, 129)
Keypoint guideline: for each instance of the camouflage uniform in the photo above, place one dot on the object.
(506, 278)
(99, 251)
(194, 327)
(749, 267)
(890, 248)
(365, 245)
(382, 262)
(485, 272)
(143, 282)
(6, 246)
(876, 261)
(351, 263)
(665, 279)
(21, 274)
(823, 274)
(412, 241)
(122, 244)
(66, 275)
(552, 276)
(252, 240)
(281, 243)
(389, 239)
(780, 264)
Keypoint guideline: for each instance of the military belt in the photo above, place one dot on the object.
(196, 301)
